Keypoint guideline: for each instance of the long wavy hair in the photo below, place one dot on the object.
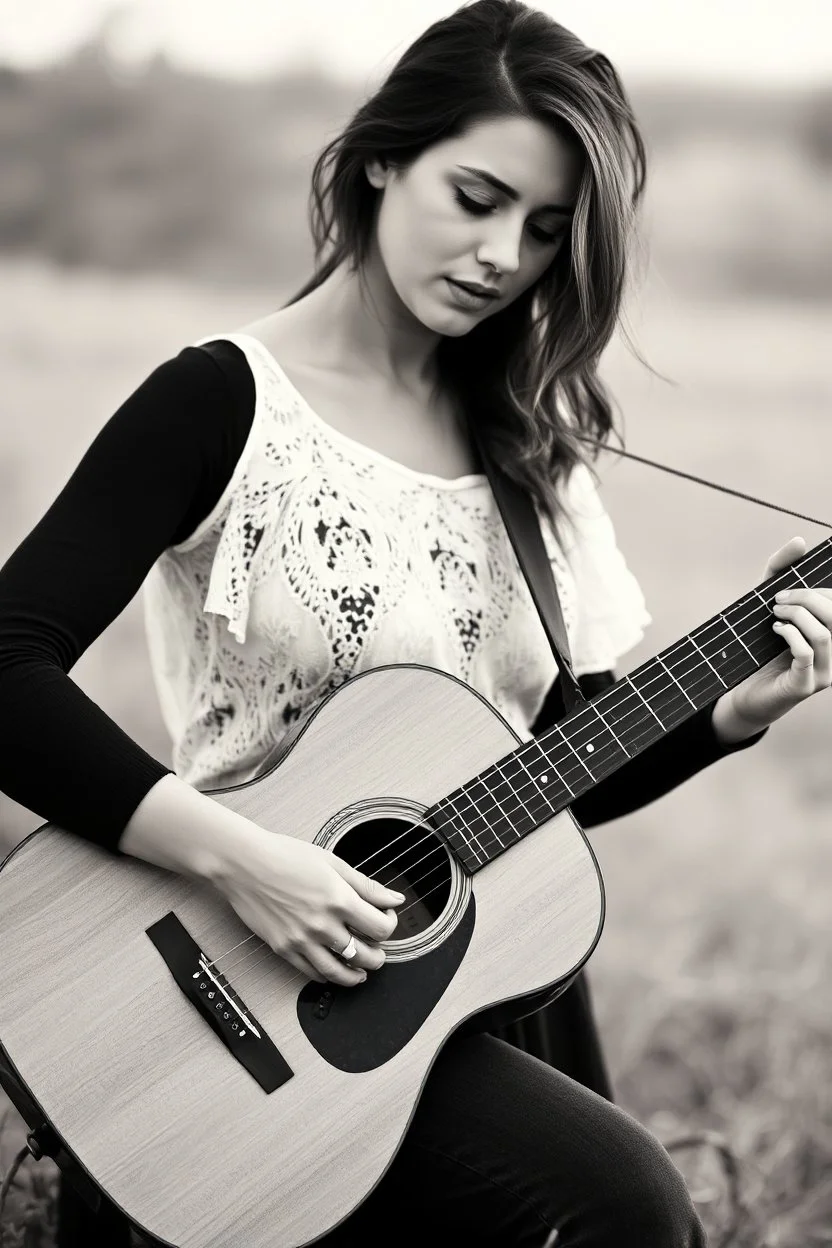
(528, 375)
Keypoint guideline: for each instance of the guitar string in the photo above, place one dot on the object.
(531, 782)
(434, 848)
(550, 762)
(517, 793)
(419, 900)
(594, 706)
(532, 789)
(412, 827)
(614, 693)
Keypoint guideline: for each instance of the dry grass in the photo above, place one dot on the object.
(712, 980)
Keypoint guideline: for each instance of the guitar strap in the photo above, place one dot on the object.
(523, 528)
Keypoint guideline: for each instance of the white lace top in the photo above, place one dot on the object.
(323, 558)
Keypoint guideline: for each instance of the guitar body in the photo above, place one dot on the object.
(148, 1097)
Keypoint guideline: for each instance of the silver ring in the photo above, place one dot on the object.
(349, 951)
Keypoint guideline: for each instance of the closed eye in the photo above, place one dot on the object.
(480, 208)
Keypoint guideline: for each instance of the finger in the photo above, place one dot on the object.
(365, 920)
(299, 962)
(367, 956)
(817, 601)
(815, 632)
(802, 671)
(362, 915)
(335, 969)
(785, 556)
(376, 893)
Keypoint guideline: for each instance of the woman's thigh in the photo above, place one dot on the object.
(503, 1149)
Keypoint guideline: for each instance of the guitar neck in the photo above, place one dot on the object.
(543, 776)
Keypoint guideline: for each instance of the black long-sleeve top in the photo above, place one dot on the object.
(155, 470)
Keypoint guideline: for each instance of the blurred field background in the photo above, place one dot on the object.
(140, 212)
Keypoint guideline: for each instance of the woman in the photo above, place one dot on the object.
(307, 503)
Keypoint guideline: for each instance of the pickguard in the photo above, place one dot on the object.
(359, 1029)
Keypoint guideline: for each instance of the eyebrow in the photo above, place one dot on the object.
(499, 185)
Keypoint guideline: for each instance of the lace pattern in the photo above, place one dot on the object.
(324, 558)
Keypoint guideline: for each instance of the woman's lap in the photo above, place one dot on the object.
(502, 1149)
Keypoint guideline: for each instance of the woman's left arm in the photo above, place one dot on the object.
(736, 720)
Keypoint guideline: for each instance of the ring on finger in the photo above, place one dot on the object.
(349, 950)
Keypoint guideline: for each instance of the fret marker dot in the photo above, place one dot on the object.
(724, 655)
(544, 779)
(590, 748)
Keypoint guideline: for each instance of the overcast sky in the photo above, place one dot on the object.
(763, 41)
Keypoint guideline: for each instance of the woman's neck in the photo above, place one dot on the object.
(362, 329)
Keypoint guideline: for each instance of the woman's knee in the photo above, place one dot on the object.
(641, 1197)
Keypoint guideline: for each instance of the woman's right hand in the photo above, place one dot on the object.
(302, 900)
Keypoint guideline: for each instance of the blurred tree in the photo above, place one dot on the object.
(207, 178)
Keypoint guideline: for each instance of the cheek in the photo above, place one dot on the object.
(421, 238)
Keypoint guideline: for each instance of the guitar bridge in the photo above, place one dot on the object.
(212, 996)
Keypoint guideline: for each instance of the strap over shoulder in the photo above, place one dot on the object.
(523, 527)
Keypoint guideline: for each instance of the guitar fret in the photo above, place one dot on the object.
(678, 683)
(569, 744)
(512, 804)
(480, 792)
(723, 650)
(474, 841)
(455, 840)
(610, 730)
(710, 664)
(739, 639)
(548, 766)
(534, 800)
(636, 708)
(457, 832)
(646, 703)
(697, 677)
(543, 775)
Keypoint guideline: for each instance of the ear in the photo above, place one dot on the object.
(377, 172)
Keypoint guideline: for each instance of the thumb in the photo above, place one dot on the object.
(367, 888)
(785, 556)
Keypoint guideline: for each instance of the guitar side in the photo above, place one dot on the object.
(144, 1093)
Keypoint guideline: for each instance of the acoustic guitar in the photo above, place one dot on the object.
(212, 1092)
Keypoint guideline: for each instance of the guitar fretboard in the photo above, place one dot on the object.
(512, 797)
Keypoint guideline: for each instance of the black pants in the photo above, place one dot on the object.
(503, 1149)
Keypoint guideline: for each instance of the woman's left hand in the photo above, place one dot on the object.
(804, 621)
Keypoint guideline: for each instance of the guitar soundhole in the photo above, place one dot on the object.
(406, 857)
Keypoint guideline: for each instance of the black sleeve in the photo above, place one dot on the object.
(154, 471)
(675, 757)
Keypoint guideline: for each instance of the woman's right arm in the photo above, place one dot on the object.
(155, 470)
(152, 472)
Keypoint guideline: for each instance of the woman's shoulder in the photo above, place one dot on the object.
(217, 366)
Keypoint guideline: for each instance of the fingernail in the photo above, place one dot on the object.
(783, 596)
(399, 896)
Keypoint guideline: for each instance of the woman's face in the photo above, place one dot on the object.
(439, 222)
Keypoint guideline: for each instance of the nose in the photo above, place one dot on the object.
(502, 239)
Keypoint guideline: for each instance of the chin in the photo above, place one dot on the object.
(447, 323)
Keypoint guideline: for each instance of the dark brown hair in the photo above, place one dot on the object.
(528, 375)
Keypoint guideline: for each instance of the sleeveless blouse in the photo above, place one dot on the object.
(323, 558)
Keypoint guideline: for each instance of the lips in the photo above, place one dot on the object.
(474, 290)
